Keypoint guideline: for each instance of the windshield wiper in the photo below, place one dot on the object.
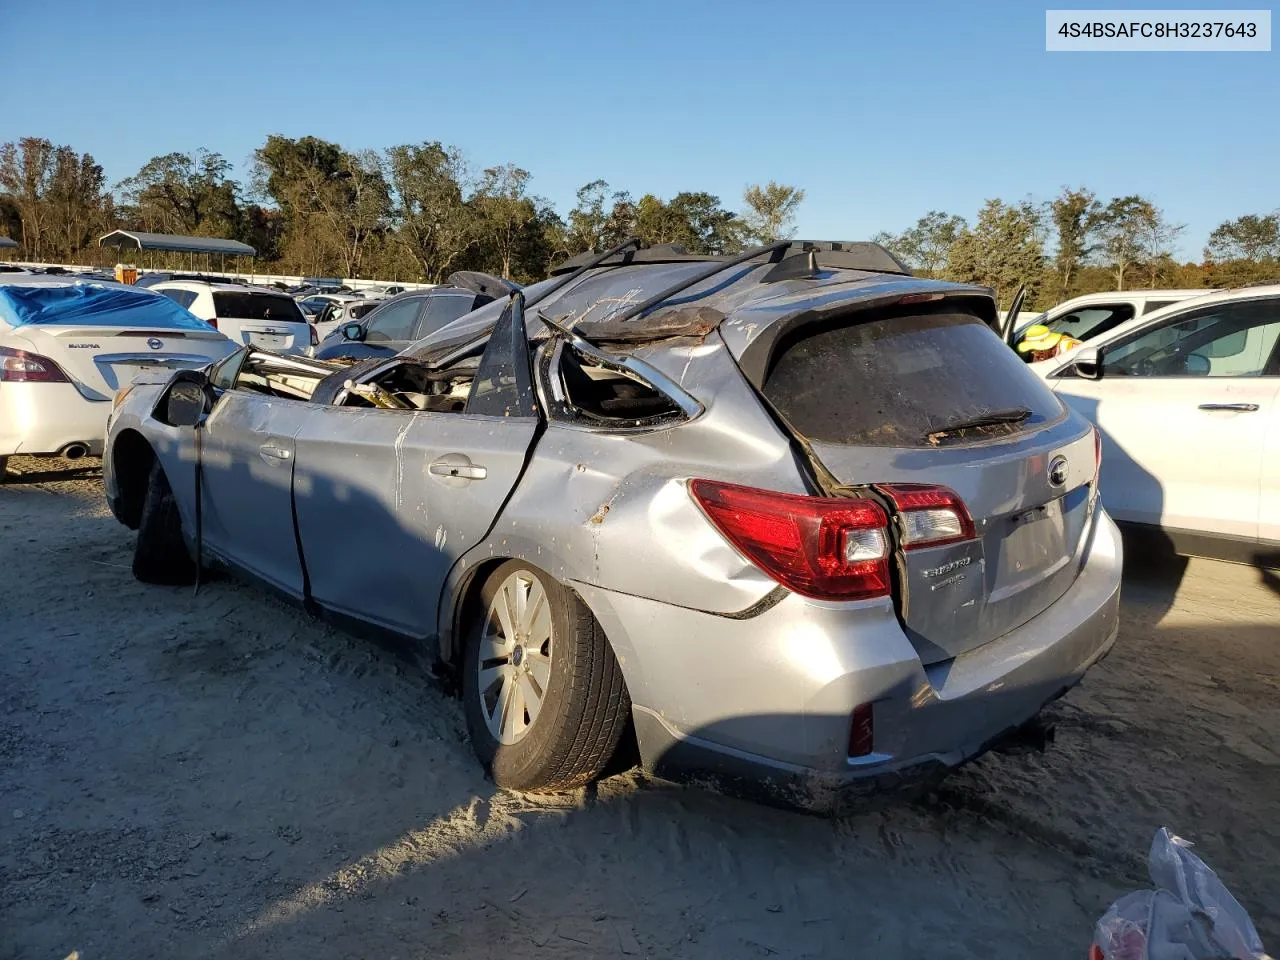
(992, 418)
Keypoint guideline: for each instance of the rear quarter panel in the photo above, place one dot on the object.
(611, 509)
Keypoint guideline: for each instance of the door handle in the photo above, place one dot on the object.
(275, 452)
(1242, 407)
(452, 466)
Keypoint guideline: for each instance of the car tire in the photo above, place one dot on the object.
(160, 555)
(584, 706)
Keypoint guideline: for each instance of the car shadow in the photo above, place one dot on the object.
(1152, 567)
(636, 866)
(28, 470)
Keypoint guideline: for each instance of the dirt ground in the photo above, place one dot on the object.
(214, 776)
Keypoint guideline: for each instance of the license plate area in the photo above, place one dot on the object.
(125, 372)
(1026, 547)
(269, 341)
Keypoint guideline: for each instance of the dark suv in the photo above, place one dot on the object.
(398, 322)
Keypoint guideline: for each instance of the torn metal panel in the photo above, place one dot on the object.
(694, 321)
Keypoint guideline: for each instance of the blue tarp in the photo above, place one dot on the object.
(88, 304)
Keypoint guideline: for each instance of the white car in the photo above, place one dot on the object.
(67, 347)
(1187, 400)
(253, 316)
(342, 311)
(1090, 316)
(314, 304)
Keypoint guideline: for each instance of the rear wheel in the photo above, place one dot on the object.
(160, 555)
(544, 696)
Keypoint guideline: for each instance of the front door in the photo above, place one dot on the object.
(389, 500)
(1183, 407)
(247, 475)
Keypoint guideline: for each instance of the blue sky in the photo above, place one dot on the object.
(880, 111)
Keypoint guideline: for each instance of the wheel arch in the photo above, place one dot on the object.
(461, 597)
(132, 458)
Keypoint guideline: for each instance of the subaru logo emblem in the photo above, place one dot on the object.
(1058, 471)
(155, 343)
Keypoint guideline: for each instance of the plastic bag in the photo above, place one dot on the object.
(1189, 916)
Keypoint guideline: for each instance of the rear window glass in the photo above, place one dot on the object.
(256, 306)
(891, 381)
(182, 297)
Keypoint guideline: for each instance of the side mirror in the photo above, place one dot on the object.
(185, 404)
(1087, 363)
(353, 331)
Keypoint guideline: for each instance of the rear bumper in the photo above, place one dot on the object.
(43, 418)
(763, 706)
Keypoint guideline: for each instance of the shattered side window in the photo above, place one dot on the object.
(503, 386)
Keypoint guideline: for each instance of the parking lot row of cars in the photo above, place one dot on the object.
(801, 521)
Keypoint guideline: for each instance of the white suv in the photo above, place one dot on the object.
(254, 316)
(1092, 315)
(1187, 400)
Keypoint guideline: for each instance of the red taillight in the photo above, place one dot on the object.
(213, 322)
(862, 733)
(18, 366)
(315, 334)
(826, 548)
(928, 516)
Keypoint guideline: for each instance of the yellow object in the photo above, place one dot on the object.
(1043, 343)
(126, 273)
(1037, 338)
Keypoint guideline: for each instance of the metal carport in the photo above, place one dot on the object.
(7, 243)
(175, 243)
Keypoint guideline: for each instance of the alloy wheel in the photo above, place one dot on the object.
(514, 660)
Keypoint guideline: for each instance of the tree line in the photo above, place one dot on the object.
(420, 212)
(1076, 243)
(412, 211)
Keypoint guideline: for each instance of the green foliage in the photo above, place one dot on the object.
(415, 211)
(1248, 238)
(601, 219)
(771, 211)
(1003, 250)
(181, 193)
(432, 225)
(58, 196)
(925, 245)
(1076, 216)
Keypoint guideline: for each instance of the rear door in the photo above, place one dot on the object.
(247, 478)
(267, 321)
(878, 395)
(387, 500)
(1185, 406)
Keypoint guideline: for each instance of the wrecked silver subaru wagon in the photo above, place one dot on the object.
(796, 521)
